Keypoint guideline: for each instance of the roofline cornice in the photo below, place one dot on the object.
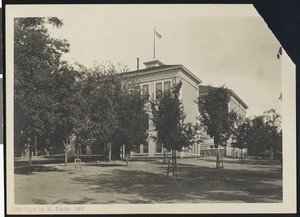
(238, 98)
(153, 70)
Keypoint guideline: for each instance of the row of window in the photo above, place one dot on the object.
(160, 87)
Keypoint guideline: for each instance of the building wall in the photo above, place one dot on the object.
(189, 100)
(236, 106)
(188, 95)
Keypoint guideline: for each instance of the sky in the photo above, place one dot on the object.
(233, 46)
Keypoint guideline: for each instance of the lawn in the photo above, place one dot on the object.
(145, 181)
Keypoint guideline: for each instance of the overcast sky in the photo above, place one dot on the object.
(237, 50)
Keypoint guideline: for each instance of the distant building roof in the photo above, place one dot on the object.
(155, 66)
(204, 89)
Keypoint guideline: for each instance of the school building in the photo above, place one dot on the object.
(156, 78)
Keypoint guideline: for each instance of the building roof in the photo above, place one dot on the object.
(160, 68)
(153, 63)
(204, 89)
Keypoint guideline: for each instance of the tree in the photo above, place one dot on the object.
(133, 119)
(273, 123)
(112, 111)
(36, 56)
(65, 108)
(216, 117)
(100, 96)
(241, 135)
(260, 134)
(168, 119)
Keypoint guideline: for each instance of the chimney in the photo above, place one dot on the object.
(138, 63)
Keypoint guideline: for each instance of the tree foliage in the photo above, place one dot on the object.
(63, 116)
(112, 112)
(36, 56)
(133, 119)
(100, 95)
(215, 115)
(168, 119)
(240, 134)
(260, 134)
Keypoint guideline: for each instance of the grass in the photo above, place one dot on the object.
(146, 182)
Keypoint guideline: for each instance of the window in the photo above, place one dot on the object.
(158, 148)
(145, 89)
(137, 149)
(161, 87)
(145, 148)
(167, 86)
(158, 90)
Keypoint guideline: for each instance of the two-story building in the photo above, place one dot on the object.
(154, 80)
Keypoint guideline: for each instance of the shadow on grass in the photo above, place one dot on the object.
(29, 170)
(194, 184)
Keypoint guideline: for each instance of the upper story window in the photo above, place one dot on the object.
(145, 90)
(158, 90)
(167, 85)
(161, 87)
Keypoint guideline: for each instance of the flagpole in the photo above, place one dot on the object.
(154, 44)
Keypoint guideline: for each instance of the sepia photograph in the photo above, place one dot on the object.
(117, 109)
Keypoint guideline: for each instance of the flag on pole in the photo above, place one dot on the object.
(158, 35)
(279, 53)
(280, 97)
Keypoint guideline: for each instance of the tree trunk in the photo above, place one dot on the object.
(219, 160)
(271, 152)
(35, 145)
(109, 153)
(66, 154)
(30, 154)
(165, 157)
(173, 171)
(174, 164)
(127, 157)
(176, 168)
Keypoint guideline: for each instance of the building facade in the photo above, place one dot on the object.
(154, 80)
